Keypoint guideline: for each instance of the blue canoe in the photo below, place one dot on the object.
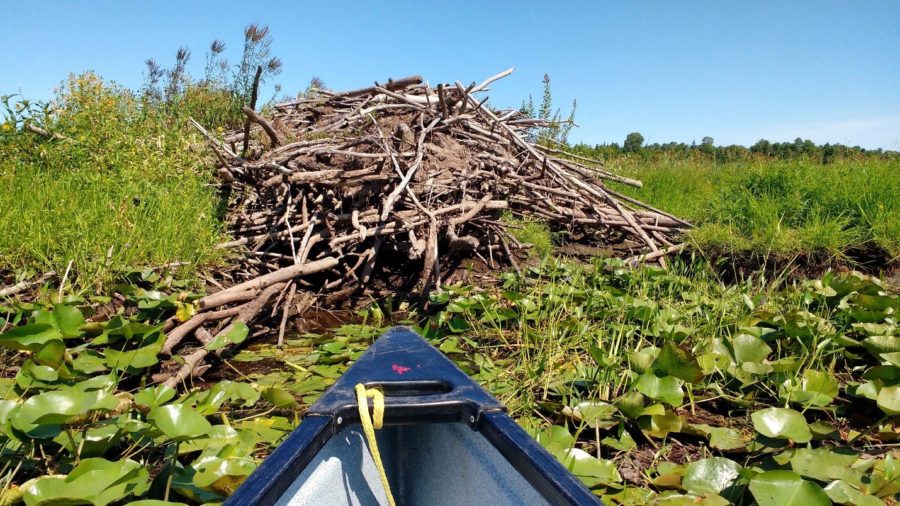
(445, 441)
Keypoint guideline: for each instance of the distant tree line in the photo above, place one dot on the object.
(799, 149)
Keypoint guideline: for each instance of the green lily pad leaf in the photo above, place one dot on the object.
(631, 404)
(623, 442)
(218, 438)
(882, 344)
(235, 334)
(179, 422)
(780, 488)
(155, 502)
(450, 345)
(641, 361)
(668, 476)
(152, 397)
(842, 493)
(822, 464)
(710, 475)
(209, 402)
(869, 390)
(749, 348)
(889, 399)
(781, 423)
(661, 425)
(222, 475)
(824, 431)
(33, 375)
(556, 439)
(91, 443)
(678, 362)
(31, 337)
(675, 332)
(68, 320)
(279, 398)
(589, 469)
(596, 414)
(59, 406)
(674, 498)
(641, 310)
(721, 438)
(140, 358)
(7, 409)
(815, 388)
(94, 481)
(89, 362)
(52, 354)
(666, 388)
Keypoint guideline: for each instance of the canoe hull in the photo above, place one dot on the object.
(445, 442)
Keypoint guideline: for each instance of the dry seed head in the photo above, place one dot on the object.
(183, 54)
(274, 66)
(255, 33)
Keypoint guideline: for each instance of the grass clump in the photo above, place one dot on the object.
(121, 184)
(534, 232)
(780, 209)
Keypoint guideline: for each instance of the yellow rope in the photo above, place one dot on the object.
(369, 425)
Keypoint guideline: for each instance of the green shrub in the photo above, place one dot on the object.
(123, 185)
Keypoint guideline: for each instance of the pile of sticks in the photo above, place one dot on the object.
(399, 180)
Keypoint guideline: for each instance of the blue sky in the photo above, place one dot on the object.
(737, 71)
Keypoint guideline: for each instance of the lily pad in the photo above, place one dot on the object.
(179, 422)
(711, 475)
(678, 362)
(59, 406)
(152, 397)
(222, 475)
(94, 481)
(749, 348)
(596, 414)
(782, 423)
(665, 388)
(235, 334)
(889, 399)
(822, 464)
(815, 388)
(781, 488)
(140, 358)
(279, 398)
(842, 493)
(589, 469)
(31, 337)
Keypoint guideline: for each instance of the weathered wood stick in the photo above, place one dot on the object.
(25, 285)
(392, 85)
(190, 362)
(252, 115)
(285, 312)
(264, 281)
(253, 93)
(654, 255)
(175, 336)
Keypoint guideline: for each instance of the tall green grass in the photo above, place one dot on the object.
(127, 186)
(779, 209)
